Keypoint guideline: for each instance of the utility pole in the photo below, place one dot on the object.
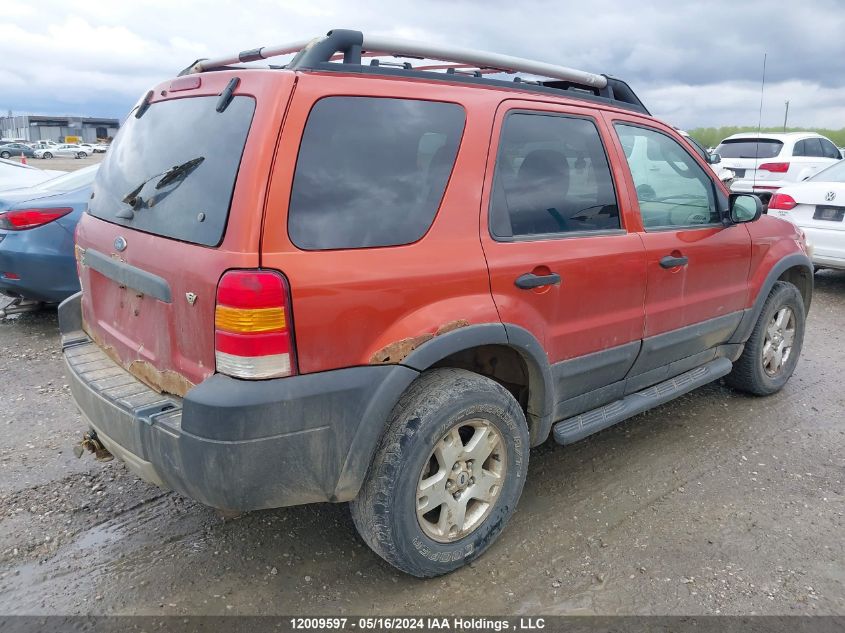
(785, 115)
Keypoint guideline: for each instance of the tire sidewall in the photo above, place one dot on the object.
(5, 155)
(431, 557)
(786, 296)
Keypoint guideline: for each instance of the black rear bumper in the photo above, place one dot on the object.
(236, 444)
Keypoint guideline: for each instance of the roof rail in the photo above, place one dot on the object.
(352, 43)
(351, 46)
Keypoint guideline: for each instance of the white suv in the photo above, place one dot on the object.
(763, 163)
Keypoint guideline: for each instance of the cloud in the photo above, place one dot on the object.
(691, 63)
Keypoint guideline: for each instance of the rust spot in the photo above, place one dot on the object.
(451, 325)
(167, 381)
(397, 351)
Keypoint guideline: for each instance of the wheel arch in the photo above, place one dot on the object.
(506, 353)
(796, 269)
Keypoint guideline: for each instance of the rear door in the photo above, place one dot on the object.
(151, 251)
(562, 264)
(697, 266)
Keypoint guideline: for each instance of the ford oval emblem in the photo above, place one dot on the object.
(120, 244)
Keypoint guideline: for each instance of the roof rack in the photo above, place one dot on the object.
(351, 46)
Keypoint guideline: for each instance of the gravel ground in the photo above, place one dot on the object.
(715, 503)
(64, 163)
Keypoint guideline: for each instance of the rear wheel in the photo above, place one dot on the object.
(772, 351)
(447, 474)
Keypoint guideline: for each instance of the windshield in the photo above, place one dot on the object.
(749, 148)
(834, 173)
(73, 180)
(194, 206)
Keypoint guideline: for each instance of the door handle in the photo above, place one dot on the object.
(530, 280)
(673, 262)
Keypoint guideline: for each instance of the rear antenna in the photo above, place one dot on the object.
(759, 122)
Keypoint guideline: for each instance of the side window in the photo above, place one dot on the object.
(800, 149)
(371, 171)
(552, 177)
(813, 148)
(829, 149)
(672, 189)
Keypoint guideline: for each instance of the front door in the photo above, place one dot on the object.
(697, 265)
(562, 264)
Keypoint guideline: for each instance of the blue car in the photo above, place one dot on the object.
(36, 237)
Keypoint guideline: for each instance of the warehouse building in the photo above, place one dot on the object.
(33, 127)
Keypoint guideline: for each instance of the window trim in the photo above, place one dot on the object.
(537, 237)
(668, 227)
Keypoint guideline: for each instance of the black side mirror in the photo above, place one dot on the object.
(714, 158)
(745, 207)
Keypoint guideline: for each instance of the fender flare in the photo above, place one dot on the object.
(745, 327)
(541, 391)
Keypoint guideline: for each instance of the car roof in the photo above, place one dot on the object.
(775, 136)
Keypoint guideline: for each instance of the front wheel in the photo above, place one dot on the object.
(81, 155)
(447, 474)
(772, 350)
(48, 155)
(5, 155)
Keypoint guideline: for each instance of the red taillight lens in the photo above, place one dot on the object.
(253, 335)
(23, 219)
(782, 201)
(778, 168)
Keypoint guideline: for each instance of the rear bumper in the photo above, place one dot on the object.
(759, 187)
(42, 259)
(236, 444)
(828, 246)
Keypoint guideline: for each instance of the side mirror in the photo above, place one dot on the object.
(745, 208)
(714, 159)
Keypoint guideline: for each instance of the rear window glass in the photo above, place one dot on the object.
(372, 171)
(749, 148)
(192, 206)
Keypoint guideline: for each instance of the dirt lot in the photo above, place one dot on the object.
(64, 163)
(716, 503)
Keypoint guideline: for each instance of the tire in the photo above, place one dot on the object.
(82, 155)
(5, 155)
(48, 155)
(436, 411)
(752, 373)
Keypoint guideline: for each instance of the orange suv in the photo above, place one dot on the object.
(382, 284)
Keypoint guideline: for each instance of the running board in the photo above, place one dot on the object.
(577, 428)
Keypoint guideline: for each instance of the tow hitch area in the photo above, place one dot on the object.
(91, 444)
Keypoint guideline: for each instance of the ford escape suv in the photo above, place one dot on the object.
(382, 284)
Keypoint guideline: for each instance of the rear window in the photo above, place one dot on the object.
(193, 206)
(371, 171)
(749, 148)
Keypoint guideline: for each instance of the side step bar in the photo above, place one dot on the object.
(577, 428)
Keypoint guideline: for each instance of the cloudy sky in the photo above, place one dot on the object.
(693, 63)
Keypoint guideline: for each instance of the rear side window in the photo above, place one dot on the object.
(372, 171)
(829, 149)
(749, 148)
(552, 177)
(191, 205)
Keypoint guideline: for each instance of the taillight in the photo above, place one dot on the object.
(23, 219)
(253, 337)
(782, 201)
(778, 168)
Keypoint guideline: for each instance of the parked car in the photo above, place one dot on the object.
(427, 275)
(818, 207)
(36, 236)
(8, 150)
(65, 149)
(101, 148)
(713, 159)
(13, 175)
(88, 147)
(764, 163)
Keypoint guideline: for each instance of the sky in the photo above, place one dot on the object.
(693, 63)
